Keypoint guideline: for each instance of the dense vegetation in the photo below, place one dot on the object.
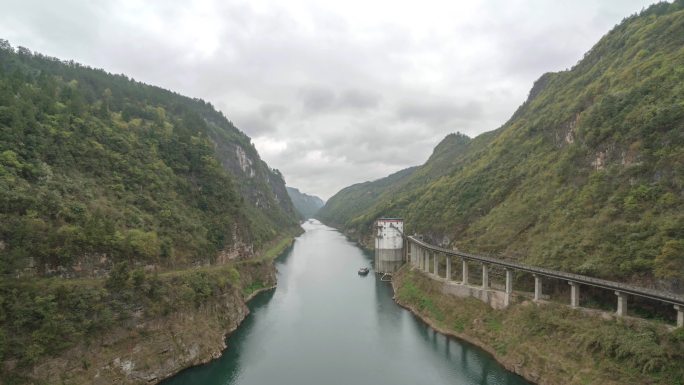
(306, 205)
(56, 314)
(103, 176)
(95, 164)
(44, 318)
(353, 200)
(550, 342)
(586, 176)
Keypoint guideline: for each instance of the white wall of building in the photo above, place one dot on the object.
(386, 235)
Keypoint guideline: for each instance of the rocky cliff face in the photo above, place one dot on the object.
(262, 187)
(143, 207)
(97, 169)
(150, 348)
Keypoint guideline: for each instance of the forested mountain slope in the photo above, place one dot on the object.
(356, 199)
(352, 201)
(306, 205)
(587, 175)
(97, 168)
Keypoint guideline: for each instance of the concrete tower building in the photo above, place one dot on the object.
(389, 245)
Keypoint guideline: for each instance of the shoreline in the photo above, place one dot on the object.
(257, 292)
(245, 301)
(550, 344)
(512, 367)
(509, 366)
(227, 335)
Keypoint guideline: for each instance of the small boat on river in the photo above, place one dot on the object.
(364, 271)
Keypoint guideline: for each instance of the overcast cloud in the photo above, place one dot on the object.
(332, 93)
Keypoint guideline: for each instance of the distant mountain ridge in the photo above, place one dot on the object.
(355, 199)
(586, 176)
(306, 205)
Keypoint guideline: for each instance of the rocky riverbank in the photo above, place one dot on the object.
(149, 348)
(137, 329)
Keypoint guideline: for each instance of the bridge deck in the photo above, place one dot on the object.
(582, 279)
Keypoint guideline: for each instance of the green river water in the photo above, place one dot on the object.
(325, 324)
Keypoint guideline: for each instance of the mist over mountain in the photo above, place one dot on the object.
(306, 205)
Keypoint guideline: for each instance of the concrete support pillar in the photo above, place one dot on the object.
(416, 256)
(404, 252)
(622, 304)
(537, 287)
(447, 276)
(485, 276)
(426, 260)
(465, 271)
(509, 287)
(574, 294)
(680, 315)
(407, 251)
(419, 258)
(436, 261)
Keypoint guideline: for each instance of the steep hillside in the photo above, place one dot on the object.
(351, 202)
(356, 199)
(97, 168)
(306, 205)
(586, 176)
(158, 210)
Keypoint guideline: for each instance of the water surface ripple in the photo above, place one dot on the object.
(325, 324)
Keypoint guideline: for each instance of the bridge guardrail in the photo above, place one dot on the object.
(582, 279)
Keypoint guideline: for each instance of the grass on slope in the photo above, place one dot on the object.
(553, 343)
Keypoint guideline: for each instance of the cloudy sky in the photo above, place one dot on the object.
(332, 93)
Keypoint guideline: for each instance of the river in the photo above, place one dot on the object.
(325, 324)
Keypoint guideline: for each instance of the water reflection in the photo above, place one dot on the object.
(325, 324)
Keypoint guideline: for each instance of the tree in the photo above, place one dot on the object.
(670, 262)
